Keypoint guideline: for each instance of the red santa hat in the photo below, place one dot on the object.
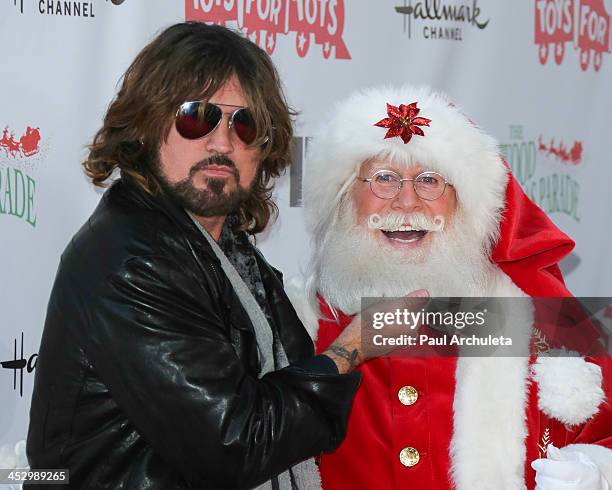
(424, 127)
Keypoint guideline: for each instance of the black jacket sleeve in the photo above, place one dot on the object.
(163, 349)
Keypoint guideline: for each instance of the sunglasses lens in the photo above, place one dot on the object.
(244, 125)
(196, 119)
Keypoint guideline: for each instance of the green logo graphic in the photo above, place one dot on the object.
(17, 192)
(556, 192)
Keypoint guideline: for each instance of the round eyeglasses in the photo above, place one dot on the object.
(387, 184)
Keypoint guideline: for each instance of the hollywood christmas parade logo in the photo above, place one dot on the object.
(19, 157)
(544, 166)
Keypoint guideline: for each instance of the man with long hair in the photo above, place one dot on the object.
(171, 356)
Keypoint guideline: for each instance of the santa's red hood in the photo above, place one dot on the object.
(530, 246)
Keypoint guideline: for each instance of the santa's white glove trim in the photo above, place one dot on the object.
(563, 469)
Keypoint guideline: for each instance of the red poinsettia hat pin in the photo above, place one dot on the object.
(403, 121)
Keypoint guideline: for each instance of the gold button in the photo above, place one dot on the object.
(409, 456)
(408, 395)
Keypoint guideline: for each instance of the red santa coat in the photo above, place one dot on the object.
(507, 433)
(381, 426)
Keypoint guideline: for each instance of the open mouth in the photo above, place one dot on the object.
(405, 234)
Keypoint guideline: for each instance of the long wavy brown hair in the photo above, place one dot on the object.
(192, 61)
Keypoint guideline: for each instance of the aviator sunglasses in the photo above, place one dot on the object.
(199, 118)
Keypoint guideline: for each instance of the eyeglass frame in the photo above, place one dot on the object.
(401, 183)
(229, 124)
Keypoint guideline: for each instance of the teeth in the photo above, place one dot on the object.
(402, 228)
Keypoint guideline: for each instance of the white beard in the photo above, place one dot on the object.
(353, 263)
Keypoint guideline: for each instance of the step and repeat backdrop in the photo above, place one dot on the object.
(537, 74)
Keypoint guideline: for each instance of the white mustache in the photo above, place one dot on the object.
(415, 221)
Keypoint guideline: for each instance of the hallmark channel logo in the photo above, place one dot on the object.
(18, 4)
(583, 24)
(312, 21)
(19, 364)
(19, 158)
(553, 190)
(62, 8)
(441, 19)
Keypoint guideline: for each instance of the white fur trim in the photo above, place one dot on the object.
(488, 443)
(452, 145)
(296, 291)
(569, 388)
(602, 456)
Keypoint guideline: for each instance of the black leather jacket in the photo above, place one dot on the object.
(147, 372)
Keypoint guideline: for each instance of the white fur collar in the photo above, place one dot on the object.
(488, 442)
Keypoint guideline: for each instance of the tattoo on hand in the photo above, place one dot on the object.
(351, 357)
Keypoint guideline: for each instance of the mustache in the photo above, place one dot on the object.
(217, 160)
(418, 221)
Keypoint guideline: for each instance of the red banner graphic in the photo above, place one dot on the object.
(584, 23)
(26, 146)
(320, 21)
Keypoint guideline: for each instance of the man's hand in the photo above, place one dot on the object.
(567, 470)
(346, 351)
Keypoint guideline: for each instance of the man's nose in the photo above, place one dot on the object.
(407, 199)
(220, 140)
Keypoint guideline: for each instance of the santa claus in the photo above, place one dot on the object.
(402, 193)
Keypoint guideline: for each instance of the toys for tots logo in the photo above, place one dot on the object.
(582, 24)
(19, 157)
(318, 21)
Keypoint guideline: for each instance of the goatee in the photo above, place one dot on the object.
(211, 200)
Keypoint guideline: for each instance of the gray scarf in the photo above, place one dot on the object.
(272, 356)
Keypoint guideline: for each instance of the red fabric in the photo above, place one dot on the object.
(528, 251)
(380, 426)
(596, 430)
(530, 246)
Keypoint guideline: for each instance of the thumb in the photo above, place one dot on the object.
(419, 293)
(556, 454)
